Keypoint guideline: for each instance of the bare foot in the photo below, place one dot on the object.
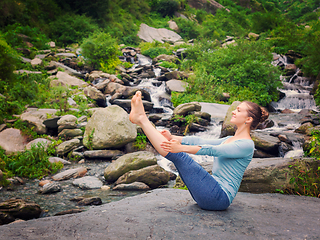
(137, 113)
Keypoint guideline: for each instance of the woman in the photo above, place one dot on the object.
(232, 154)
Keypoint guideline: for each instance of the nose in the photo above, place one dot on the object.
(233, 112)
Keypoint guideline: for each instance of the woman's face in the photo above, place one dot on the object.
(240, 115)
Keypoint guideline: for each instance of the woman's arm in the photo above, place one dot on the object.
(174, 146)
(191, 140)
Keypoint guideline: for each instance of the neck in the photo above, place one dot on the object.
(243, 131)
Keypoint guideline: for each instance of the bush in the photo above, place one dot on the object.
(100, 49)
(32, 163)
(34, 36)
(165, 7)
(244, 71)
(155, 49)
(71, 28)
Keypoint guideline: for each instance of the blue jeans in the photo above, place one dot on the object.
(204, 189)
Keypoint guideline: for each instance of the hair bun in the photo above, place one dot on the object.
(264, 114)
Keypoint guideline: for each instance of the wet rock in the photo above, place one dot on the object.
(57, 159)
(194, 127)
(109, 128)
(39, 141)
(176, 75)
(266, 142)
(229, 129)
(97, 74)
(203, 115)
(19, 208)
(154, 176)
(88, 182)
(304, 128)
(70, 173)
(136, 186)
(126, 104)
(70, 133)
(3, 126)
(128, 162)
(102, 85)
(185, 108)
(5, 218)
(102, 154)
(95, 95)
(67, 146)
(12, 141)
(176, 86)
(88, 201)
(49, 188)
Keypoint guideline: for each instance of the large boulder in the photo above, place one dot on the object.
(67, 122)
(149, 34)
(266, 142)
(43, 141)
(67, 80)
(12, 141)
(95, 95)
(176, 86)
(109, 128)
(154, 176)
(185, 108)
(128, 162)
(229, 129)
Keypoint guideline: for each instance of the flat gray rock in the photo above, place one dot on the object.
(172, 214)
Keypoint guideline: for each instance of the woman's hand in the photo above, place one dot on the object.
(173, 146)
(166, 134)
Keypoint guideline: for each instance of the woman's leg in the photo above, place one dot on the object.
(139, 117)
(204, 189)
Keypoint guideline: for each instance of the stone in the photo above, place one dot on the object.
(52, 187)
(82, 119)
(97, 74)
(51, 44)
(253, 36)
(57, 159)
(128, 162)
(69, 55)
(90, 201)
(109, 128)
(126, 104)
(1, 175)
(67, 146)
(11, 140)
(176, 86)
(44, 182)
(105, 188)
(70, 133)
(203, 115)
(165, 57)
(70, 71)
(95, 95)
(67, 122)
(3, 126)
(102, 154)
(35, 119)
(185, 108)
(88, 182)
(266, 142)
(304, 128)
(101, 86)
(149, 34)
(290, 69)
(229, 129)
(36, 62)
(51, 122)
(136, 186)
(176, 75)
(70, 211)
(173, 25)
(19, 208)
(154, 176)
(70, 173)
(68, 80)
(42, 141)
(27, 72)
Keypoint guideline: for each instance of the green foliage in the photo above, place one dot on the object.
(244, 71)
(170, 65)
(33, 36)
(155, 49)
(312, 148)
(305, 179)
(141, 141)
(32, 163)
(8, 60)
(164, 7)
(71, 28)
(100, 50)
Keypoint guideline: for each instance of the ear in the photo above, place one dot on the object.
(249, 120)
